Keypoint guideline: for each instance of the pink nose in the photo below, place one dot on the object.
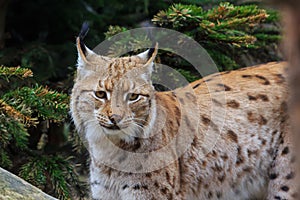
(115, 118)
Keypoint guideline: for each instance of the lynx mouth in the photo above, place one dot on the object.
(111, 127)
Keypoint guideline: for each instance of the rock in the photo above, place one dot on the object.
(15, 188)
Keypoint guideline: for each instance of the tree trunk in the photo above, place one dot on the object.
(291, 18)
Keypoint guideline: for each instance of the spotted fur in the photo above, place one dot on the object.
(252, 153)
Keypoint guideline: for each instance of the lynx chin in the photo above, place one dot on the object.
(251, 156)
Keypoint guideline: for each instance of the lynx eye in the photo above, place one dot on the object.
(133, 96)
(101, 94)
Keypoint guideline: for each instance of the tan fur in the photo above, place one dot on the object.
(248, 155)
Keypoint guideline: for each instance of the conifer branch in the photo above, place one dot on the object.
(40, 101)
(12, 112)
(7, 72)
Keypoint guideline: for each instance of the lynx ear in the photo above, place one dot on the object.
(151, 55)
(83, 51)
(148, 62)
(148, 57)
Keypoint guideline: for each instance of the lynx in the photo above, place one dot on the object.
(249, 155)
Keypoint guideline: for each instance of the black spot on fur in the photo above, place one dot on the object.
(221, 178)
(145, 187)
(246, 76)
(164, 190)
(219, 194)
(217, 168)
(263, 97)
(194, 143)
(136, 187)
(224, 157)
(252, 98)
(277, 197)
(136, 145)
(285, 151)
(240, 158)
(95, 183)
(250, 117)
(205, 120)
(233, 104)
(209, 195)
(226, 88)
(285, 188)
(214, 153)
(168, 177)
(280, 78)
(125, 186)
(290, 176)
(232, 136)
(266, 81)
(247, 169)
(252, 152)
(273, 176)
(262, 120)
(197, 85)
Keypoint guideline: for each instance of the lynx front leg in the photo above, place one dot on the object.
(101, 189)
(157, 185)
(100, 192)
(282, 185)
(155, 191)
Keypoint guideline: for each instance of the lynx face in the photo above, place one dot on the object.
(113, 94)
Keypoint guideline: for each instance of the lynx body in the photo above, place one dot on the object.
(249, 155)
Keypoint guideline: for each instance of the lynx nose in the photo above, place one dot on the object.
(115, 118)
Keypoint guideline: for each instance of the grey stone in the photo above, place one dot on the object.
(15, 188)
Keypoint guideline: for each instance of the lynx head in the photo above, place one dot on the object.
(113, 96)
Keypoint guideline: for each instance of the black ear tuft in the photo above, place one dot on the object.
(83, 32)
(148, 25)
(151, 50)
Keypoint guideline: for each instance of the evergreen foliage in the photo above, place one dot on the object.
(22, 110)
(227, 32)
